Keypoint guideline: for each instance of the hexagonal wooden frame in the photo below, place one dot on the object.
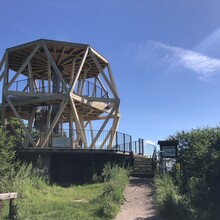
(73, 64)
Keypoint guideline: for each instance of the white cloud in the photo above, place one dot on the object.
(149, 142)
(157, 53)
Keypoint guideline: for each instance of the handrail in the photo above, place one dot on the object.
(89, 89)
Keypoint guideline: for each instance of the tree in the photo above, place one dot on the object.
(197, 171)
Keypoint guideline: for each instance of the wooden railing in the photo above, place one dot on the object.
(11, 197)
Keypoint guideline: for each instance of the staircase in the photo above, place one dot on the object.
(142, 166)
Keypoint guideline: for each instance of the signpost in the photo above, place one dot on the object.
(168, 149)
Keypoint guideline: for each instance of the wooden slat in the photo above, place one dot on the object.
(7, 196)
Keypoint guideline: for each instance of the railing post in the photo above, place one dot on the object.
(116, 141)
(139, 143)
(124, 142)
(130, 144)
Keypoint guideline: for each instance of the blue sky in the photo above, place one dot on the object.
(165, 55)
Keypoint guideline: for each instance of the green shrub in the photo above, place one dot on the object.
(171, 205)
(7, 158)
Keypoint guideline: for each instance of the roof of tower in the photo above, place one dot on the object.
(63, 54)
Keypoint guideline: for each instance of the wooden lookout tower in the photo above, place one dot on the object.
(57, 91)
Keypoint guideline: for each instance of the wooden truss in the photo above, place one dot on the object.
(48, 85)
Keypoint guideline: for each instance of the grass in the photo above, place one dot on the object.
(40, 201)
(54, 202)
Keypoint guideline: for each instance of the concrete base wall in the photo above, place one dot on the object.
(66, 168)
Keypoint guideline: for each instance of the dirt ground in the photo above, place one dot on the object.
(139, 201)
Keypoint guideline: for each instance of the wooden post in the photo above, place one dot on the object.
(10, 197)
(71, 128)
(1, 207)
(79, 71)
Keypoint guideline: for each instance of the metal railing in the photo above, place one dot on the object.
(92, 90)
(137, 147)
(121, 143)
(83, 88)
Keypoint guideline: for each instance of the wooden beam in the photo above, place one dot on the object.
(102, 127)
(48, 119)
(83, 127)
(92, 133)
(101, 84)
(20, 120)
(94, 88)
(77, 121)
(54, 65)
(2, 61)
(71, 133)
(30, 123)
(36, 86)
(30, 77)
(1, 65)
(83, 81)
(48, 133)
(5, 81)
(73, 71)
(79, 71)
(99, 55)
(103, 74)
(24, 65)
(114, 127)
(106, 138)
(61, 56)
(112, 79)
(49, 76)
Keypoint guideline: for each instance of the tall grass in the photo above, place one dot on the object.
(116, 179)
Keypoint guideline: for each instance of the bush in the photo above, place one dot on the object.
(7, 158)
(171, 205)
(194, 187)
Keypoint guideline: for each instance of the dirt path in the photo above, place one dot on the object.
(139, 201)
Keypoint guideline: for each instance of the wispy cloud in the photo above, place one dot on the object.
(150, 142)
(157, 53)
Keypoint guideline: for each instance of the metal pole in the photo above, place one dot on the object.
(124, 141)
(139, 143)
(116, 141)
(130, 144)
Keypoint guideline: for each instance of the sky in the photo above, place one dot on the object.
(165, 55)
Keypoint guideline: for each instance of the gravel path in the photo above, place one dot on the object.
(139, 201)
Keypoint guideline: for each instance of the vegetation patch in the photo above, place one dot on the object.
(191, 189)
(40, 200)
